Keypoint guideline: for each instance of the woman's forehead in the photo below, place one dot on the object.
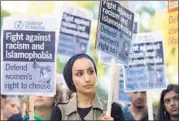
(170, 94)
(83, 62)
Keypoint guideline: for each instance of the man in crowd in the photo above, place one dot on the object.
(137, 110)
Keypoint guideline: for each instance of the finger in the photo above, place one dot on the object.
(107, 114)
(108, 118)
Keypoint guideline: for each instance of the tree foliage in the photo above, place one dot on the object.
(4, 14)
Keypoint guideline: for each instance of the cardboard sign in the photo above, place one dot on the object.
(123, 96)
(28, 56)
(146, 67)
(106, 58)
(115, 30)
(74, 31)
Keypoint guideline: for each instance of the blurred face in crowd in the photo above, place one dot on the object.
(171, 103)
(43, 102)
(84, 76)
(11, 107)
(138, 99)
(3, 98)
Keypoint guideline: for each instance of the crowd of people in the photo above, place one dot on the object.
(83, 103)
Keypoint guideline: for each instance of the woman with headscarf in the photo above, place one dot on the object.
(168, 107)
(80, 75)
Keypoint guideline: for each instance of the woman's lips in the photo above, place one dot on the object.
(88, 86)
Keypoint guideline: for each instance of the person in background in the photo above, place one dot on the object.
(43, 105)
(3, 97)
(80, 75)
(16, 117)
(69, 95)
(168, 107)
(137, 110)
(26, 116)
(11, 108)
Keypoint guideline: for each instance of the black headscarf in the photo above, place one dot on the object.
(67, 72)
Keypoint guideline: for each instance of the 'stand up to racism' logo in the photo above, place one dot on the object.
(18, 25)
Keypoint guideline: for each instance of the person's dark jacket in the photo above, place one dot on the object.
(16, 117)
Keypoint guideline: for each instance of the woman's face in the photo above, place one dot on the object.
(10, 108)
(84, 76)
(171, 103)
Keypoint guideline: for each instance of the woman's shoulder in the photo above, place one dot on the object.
(62, 103)
(60, 106)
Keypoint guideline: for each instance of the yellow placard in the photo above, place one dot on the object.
(167, 23)
(173, 28)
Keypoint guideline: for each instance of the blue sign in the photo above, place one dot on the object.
(115, 30)
(146, 66)
(123, 96)
(106, 58)
(74, 34)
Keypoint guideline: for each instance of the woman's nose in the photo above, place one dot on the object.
(172, 102)
(87, 77)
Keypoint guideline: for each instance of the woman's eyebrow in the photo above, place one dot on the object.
(79, 70)
(175, 96)
(90, 68)
(168, 98)
(83, 69)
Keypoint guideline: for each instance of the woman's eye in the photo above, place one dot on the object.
(91, 71)
(167, 101)
(79, 74)
(176, 98)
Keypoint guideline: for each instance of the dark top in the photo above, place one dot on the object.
(83, 112)
(116, 113)
(15, 117)
(128, 116)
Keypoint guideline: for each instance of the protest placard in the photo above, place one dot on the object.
(123, 96)
(28, 56)
(146, 66)
(115, 30)
(74, 31)
(173, 22)
(114, 37)
(171, 40)
(106, 58)
(119, 94)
